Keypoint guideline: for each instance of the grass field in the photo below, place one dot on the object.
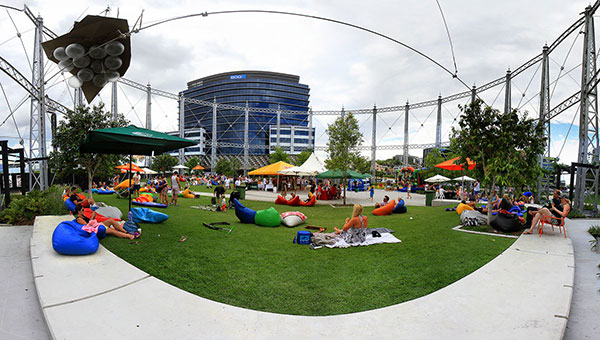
(260, 268)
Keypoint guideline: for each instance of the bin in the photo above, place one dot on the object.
(429, 196)
(242, 192)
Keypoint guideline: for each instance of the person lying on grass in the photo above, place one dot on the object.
(555, 211)
(386, 199)
(112, 227)
(74, 197)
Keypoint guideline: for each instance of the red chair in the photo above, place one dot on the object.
(549, 219)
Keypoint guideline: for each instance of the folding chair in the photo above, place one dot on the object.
(549, 219)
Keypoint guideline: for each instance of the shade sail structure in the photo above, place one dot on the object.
(452, 165)
(311, 167)
(133, 167)
(198, 167)
(338, 174)
(271, 169)
(437, 179)
(180, 167)
(149, 171)
(464, 179)
(131, 140)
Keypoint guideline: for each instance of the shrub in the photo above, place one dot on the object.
(23, 210)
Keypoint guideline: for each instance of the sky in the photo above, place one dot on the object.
(343, 66)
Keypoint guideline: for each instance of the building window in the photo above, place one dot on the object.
(301, 140)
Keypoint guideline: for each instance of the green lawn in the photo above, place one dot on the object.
(260, 268)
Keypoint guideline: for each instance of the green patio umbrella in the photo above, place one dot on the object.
(338, 174)
(131, 140)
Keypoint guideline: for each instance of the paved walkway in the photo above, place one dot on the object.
(584, 317)
(20, 315)
(524, 293)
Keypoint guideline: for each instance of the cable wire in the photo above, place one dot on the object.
(449, 38)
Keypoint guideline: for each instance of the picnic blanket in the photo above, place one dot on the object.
(385, 238)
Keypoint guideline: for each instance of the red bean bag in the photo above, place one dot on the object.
(310, 203)
(88, 213)
(294, 201)
(281, 200)
(324, 196)
(386, 209)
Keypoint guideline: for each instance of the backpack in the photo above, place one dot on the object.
(130, 227)
(302, 237)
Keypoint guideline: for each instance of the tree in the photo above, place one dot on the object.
(344, 139)
(279, 155)
(70, 132)
(435, 156)
(302, 157)
(227, 167)
(164, 163)
(361, 164)
(505, 147)
(192, 162)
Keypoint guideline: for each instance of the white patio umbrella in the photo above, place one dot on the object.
(464, 179)
(148, 171)
(437, 179)
(180, 167)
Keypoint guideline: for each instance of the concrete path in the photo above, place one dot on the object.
(584, 319)
(20, 315)
(524, 293)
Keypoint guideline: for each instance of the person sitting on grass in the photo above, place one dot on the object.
(354, 230)
(556, 211)
(112, 227)
(386, 199)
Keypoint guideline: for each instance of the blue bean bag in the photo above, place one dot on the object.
(213, 182)
(528, 193)
(70, 205)
(94, 190)
(398, 208)
(267, 218)
(244, 214)
(146, 215)
(149, 204)
(69, 239)
(105, 192)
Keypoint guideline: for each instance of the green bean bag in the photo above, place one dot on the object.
(267, 218)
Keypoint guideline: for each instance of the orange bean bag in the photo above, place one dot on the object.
(386, 209)
(294, 202)
(123, 185)
(281, 200)
(88, 213)
(310, 203)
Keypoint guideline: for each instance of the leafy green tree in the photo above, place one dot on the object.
(344, 139)
(227, 167)
(279, 155)
(434, 157)
(164, 163)
(70, 132)
(192, 162)
(361, 164)
(506, 147)
(302, 157)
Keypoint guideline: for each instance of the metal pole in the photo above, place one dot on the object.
(37, 123)
(473, 94)
(149, 116)
(213, 147)
(406, 134)
(181, 125)
(586, 186)
(278, 124)
(78, 94)
(311, 142)
(438, 126)
(374, 141)
(114, 104)
(507, 93)
(543, 180)
(246, 145)
(343, 112)
(6, 173)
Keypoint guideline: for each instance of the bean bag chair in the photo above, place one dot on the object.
(146, 215)
(87, 212)
(104, 192)
(70, 205)
(399, 208)
(528, 193)
(310, 203)
(94, 190)
(506, 223)
(516, 210)
(505, 204)
(149, 204)
(403, 189)
(386, 209)
(144, 189)
(294, 202)
(462, 207)
(187, 194)
(69, 239)
(281, 200)
(110, 212)
(244, 214)
(292, 219)
(123, 185)
(213, 182)
(472, 218)
(267, 218)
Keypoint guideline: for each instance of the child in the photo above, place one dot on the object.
(408, 190)
(371, 193)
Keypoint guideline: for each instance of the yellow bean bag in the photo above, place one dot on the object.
(187, 194)
(123, 185)
(144, 189)
(149, 198)
(462, 207)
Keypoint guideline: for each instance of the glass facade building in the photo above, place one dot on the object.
(258, 89)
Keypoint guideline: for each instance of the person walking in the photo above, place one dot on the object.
(175, 187)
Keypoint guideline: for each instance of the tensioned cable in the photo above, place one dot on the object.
(16, 36)
(562, 67)
(534, 108)
(449, 38)
(523, 94)
(11, 115)
(569, 131)
(535, 95)
(21, 40)
(204, 14)
(132, 105)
